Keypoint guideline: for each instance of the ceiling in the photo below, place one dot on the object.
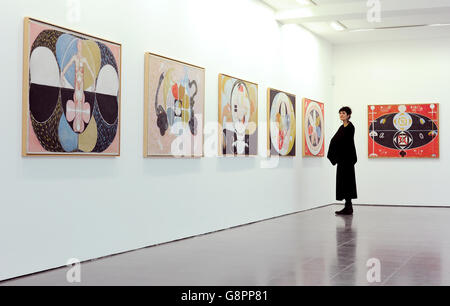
(398, 19)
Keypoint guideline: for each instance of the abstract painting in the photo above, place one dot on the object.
(281, 123)
(71, 92)
(404, 130)
(174, 108)
(238, 117)
(313, 128)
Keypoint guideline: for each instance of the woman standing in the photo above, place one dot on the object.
(342, 152)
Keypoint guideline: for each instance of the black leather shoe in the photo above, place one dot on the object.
(345, 211)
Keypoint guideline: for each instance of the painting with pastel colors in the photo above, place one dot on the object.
(71, 92)
(281, 123)
(404, 130)
(238, 117)
(174, 108)
(313, 128)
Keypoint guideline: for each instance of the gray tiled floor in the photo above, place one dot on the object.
(308, 248)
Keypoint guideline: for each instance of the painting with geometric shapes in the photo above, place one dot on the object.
(313, 128)
(71, 92)
(281, 123)
(174, 108)
(404, 130)
(238, 117)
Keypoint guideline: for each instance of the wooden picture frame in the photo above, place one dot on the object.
(71, 95)
(174, 103)
(313, 128)
(238, 135)
(281, 112)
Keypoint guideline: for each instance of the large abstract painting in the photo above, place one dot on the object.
(71, 92)
(313, 128)
(238, 117)
(404, 130)
(281, 123)
(174, 108)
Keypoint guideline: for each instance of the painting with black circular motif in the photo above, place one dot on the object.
(71, 95)
(404, 130)
(174, 108)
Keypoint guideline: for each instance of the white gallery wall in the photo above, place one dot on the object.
(408, 71)
(53, 209)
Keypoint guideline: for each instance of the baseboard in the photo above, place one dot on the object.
(398, 205)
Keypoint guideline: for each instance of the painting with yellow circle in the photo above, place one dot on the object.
(281, 123)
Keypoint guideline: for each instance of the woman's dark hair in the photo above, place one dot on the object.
(347, 110)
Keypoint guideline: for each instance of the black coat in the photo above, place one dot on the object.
(342, 152)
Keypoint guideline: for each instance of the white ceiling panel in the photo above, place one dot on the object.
(279, 5)
(399, 21)
(403, 14)
(327, 2)
(389, 35)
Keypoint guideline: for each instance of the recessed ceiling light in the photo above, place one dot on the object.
(439, 25)
(337, 26)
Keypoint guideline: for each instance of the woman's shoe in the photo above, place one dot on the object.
(345, 211)
(348, 209)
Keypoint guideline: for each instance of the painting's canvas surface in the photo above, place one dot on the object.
(71, 92)
(313, 128)
(404, 130)
(281, 123)
(174, 108)
(238, 117)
